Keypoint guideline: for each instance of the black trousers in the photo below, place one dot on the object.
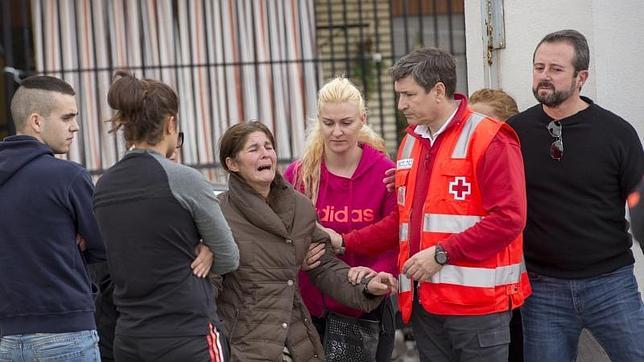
(516, 333)
(210, 348)
(384, 314)
(106, 312)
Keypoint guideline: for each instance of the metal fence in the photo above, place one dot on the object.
(228, 60)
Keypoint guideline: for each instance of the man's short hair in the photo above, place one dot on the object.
(428, 66)
(34, 96)
(577, 40)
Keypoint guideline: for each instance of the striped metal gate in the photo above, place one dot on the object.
(229, 60)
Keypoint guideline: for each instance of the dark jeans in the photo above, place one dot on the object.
(212, 347)
(461, 338)
(609, 306)
(385, 314)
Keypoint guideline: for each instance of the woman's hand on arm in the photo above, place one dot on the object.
(336, 239)
(358, 273)
(312, 259)
(203, 262)
(81, 242)
(381, 284)
(390, 179)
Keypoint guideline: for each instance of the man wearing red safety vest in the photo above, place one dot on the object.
(462, 208)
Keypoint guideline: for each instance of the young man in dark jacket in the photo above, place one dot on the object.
(48, 231)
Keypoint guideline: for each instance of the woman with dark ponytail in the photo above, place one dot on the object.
(162, 227)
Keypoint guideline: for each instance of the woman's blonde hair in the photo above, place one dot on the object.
(502, 103)
(307, 171)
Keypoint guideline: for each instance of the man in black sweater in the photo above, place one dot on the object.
(581, 163)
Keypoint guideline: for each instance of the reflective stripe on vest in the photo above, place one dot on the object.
(402, 193)
(460, 150)
(404, 283)
(405, 161)
(409, 146)
(448, 223)
(404, 229)
(479, 277)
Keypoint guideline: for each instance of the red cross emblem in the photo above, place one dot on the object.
(460, 188)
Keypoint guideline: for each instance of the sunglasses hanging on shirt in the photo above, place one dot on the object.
(556, 148)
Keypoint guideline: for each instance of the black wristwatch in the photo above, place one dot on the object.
(440, 255)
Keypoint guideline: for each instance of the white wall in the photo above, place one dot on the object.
(615, 35)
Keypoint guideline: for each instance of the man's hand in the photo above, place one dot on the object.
(312, 258)
(422, 265)
(382, 283)
(357, 273)
(203, 262)
(336, 239)
(80, 241)
(390, 179)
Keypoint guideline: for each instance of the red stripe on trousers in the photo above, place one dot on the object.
(213, 344)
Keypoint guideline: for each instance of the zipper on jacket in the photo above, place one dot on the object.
(234, 326)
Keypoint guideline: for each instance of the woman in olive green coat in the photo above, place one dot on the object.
(273, 225)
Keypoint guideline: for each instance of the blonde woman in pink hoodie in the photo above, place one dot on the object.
(341, 171)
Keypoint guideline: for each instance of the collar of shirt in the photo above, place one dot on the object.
(423, 130)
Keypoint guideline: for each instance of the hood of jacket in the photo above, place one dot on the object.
(18, 151)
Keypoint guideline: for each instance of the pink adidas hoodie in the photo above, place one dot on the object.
(345, 204)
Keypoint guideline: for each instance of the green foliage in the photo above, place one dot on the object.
(365, 69)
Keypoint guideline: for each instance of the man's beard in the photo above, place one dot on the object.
(555, 98)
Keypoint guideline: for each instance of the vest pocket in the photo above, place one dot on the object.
(457, 184)
(456, 167)
(401, 177)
